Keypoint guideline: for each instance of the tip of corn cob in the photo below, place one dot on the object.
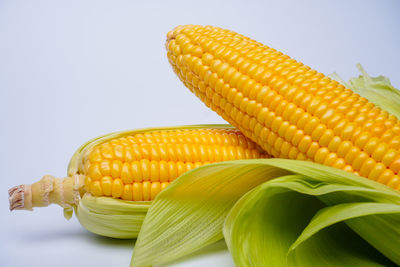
(172, 34)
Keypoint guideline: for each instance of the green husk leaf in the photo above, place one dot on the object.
(339, 213)
(377, 90)
(189, 214)
(316, 217)
(111, 217)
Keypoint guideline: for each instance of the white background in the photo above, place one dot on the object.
(73, 70)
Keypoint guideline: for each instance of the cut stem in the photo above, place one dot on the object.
(65, 192)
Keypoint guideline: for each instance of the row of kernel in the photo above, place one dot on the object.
(143, 170)
(171, 152)
(208, 136)
(137, 191)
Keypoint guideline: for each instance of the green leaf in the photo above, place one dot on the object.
(259, 232)
(111, 217)
(377, 90)
(317, 217)
(306, 245)
(189, 213)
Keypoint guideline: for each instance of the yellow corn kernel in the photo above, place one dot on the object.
(95, 188)
(155, 189)
(137, 191)
(117, 188)
(376, 172)
(105, 167)
(94, 172)
(181, 167)
(145, 169)
(395, 165)
(106, 185)
(116, 168)
(146, 190)
(106, 151)
(394, 182)
(95, 156)
(359, 159)
(127, 192)
(321, 155)
(126, 173)
(163, 165)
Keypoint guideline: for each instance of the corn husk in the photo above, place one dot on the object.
(111, 217)
(306, 220)
(190, 214)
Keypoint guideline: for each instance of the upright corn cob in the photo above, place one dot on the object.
(136, 165)
(290, 110)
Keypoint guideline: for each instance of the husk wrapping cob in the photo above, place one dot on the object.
(113, 178)
(274, 212)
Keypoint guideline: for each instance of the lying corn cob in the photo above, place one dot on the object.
(290, 110)
(132, 167)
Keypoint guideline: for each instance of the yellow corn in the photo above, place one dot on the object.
(290, 110)
(136, 166)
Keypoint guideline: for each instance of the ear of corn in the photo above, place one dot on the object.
(127, 170)
(290, 110)
(138, 167)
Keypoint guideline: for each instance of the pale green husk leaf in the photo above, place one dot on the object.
(190, 213)
(318, 217)
(377, 90)
(111, 217)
